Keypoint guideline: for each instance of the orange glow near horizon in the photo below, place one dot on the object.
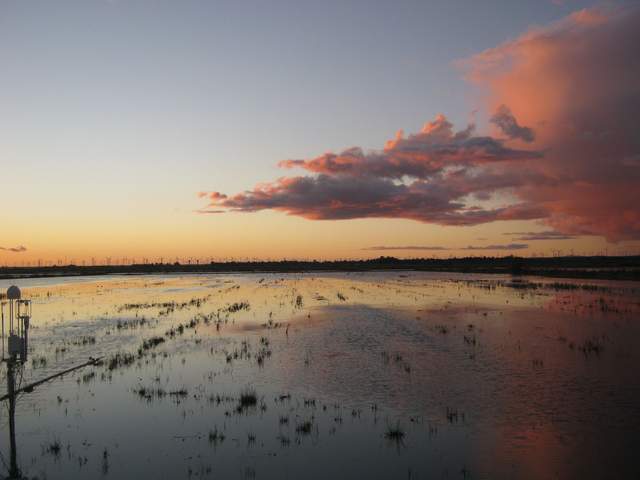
(274, 236)
(550, 166)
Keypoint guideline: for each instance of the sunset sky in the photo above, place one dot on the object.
(333, 129)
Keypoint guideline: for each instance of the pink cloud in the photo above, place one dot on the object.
(578, 83)
(425, 177)
(419, 155)
(439, 199)
(564, 100)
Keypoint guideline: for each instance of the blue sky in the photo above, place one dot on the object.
(128, 108)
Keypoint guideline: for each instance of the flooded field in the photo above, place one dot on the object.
(373, 375)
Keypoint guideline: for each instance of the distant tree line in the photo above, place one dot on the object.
(605, 267)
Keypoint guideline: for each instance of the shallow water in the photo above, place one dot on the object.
(374, 375)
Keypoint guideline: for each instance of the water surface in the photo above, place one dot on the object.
(362, 375)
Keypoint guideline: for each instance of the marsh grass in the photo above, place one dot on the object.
(304, 428)
(216, 437)
(592, 346)
(120, 360)
(395, 433)
(38, 362)
(150, 343)
(54, 448)
(238, 306)
(248, 399)
(454, 416)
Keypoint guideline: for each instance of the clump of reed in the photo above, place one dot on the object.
(248, 399)
(395, 433)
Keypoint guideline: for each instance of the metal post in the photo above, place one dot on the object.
(14, 472)
(2, 309)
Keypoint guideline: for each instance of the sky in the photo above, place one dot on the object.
(140, 129)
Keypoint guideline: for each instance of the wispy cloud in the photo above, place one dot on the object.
(544, 235)
(509, 246)
(204, 211)
(407, 247)
(18, 249)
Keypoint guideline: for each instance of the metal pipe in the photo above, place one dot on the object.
(14, 472)
(31, 386)
(2, 308)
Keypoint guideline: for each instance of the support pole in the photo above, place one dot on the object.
(2, 312)
(14, 472)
